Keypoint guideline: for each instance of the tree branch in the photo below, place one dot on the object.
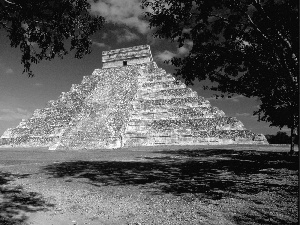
(256, 27)
(280, 57)
(9, 2)
(218, 16)
(13, 3)
(284, 40)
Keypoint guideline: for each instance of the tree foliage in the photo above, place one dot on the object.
(247, 47)
(280, 138)
(41, 27)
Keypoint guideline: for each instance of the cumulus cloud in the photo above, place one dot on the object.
(123, 12)
(17, 114)
(124, 35)
(234, 98)
(104, 35)
(183, 50)
(242, 114)
(5, 69)
(285, 129)
(121, 35)
(180, 52)
(9, 71)
(151, 40)
(165, 55)
(100, 44)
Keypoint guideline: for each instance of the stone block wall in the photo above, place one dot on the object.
(129, 62)
(127, 56)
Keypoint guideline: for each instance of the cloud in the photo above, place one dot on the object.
(123, 12)
(9, 71)
(151, 39)
(17, 114)
(242, 114)
(180, 52)
(125, 35)
(4, 68)
(185, 49)
(104, 35)
(100, 44)
(285, 129)
(234, 98)
(165, 55)
(122, 35)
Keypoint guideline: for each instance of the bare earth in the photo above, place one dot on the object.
(158, 185)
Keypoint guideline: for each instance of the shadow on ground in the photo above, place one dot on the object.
(15, 201)
(211, 173)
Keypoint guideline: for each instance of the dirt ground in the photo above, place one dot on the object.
(159, 185)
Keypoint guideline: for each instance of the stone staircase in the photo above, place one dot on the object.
(166, 112)
(123, 106)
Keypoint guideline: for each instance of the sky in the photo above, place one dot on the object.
(124, 27)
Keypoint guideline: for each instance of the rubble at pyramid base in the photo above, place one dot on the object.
(128, 106)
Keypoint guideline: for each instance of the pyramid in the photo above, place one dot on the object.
(129, 102)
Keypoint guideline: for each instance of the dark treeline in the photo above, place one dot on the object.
(281, 138)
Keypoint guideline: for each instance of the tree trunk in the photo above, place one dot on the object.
(292, 140)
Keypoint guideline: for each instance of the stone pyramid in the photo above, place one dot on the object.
(129, 102)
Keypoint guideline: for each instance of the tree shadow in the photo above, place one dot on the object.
(241, 162)
(256, 216)
(15, 202)
(212, 174)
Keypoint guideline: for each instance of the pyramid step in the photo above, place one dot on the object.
(231, 134)
(169, 115)
(180, 111)
(199, 105)
(158, 86)
(203, 137)
(156, 74)
(188, 101)
(194, 125)
(155, 80)
(166, 94)
(161, 87)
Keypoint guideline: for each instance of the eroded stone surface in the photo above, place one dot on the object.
(137, 104)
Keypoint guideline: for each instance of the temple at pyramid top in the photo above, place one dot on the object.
(127, 56)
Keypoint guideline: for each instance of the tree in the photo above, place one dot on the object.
(247, 47)
(279, 138)
(41, 27)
